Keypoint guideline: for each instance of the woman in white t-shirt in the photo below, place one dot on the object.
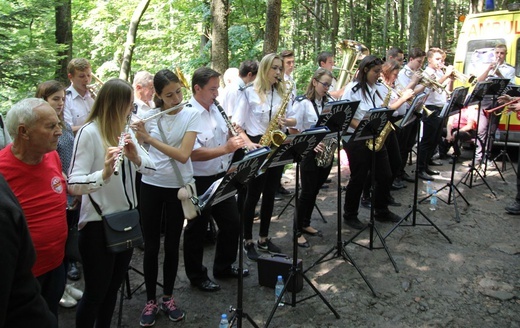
(158, 195)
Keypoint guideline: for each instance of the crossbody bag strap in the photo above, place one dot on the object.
(98, 209)
(172, 161)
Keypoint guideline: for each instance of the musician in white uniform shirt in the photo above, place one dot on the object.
(211, 157)
(143, 92)
(247, 74)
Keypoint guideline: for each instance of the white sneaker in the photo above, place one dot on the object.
(73, 292)
(67, 301)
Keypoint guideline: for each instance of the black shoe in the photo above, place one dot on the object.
(431, 172)
(74, 273)
(366, 202)
(513, 208)
(397, 184)
(434, 163)
(251, 252)
(231, 272)
(283, 191)
(354, 223)
(424, 176)
(392, 202)
(317, 233)
(324, 186)
(305, 244)
(407, 177)
(208, 286)
(386, 216)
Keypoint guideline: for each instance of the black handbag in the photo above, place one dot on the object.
(122, 229)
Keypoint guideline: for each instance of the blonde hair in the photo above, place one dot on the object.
(110, 110)
(262, 84)
(77, 64)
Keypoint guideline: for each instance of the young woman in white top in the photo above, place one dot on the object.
(159, 192)
(91, 174)
(257, 106)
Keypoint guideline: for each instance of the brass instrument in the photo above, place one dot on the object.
(389, 127)
(494, 71)
(122, 143)
(273, 136)
(465, 79)
(410, 101)
(182, 78)
(94, 88)
(431, 83)
(352, 51)
(325, 158)
(495, 109)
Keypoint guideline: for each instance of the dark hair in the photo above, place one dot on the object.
(416, 53)
(322, 57)
(202, 76)
(47, 88)
(364, 67)
(287, 53)
(393, 52)
(248, 66)
(160, 80)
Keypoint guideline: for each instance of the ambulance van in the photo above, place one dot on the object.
(475, 49)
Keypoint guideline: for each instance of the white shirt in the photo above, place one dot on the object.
(143, 107)
(228, 100)
(77, 108)
(174, 127)
(435, 98)
(304, 113)
(215, 134)
(85, 176)
(373, 99)
(253, 115)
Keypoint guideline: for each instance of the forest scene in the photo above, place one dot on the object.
(38, 38)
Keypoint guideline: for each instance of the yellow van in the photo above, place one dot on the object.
(475, 48)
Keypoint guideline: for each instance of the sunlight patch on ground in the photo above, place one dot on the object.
(456, 257)
(414, 264)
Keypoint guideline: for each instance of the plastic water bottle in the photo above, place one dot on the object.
(278, 290)
(497, 134)
(428, 187)
(433, 201)
(223, 321)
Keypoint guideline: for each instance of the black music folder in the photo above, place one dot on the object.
(456, 102)
(416, 107)
(372, 123)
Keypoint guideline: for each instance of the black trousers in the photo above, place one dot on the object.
(406, 137)
(226, 216)
(265, 185)
(431, 137)
(360, 161)
(312, 178)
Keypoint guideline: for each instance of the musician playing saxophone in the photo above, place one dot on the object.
(257, 107)
(307, 109)
(365, 89)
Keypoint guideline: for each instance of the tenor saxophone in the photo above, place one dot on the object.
(380, 140)
(273, 136)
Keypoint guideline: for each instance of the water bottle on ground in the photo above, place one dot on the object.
(223, 321)
(428, 187)
(433, 201)
(278, 290)
(497, 135)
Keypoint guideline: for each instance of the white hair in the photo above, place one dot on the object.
(22, 113)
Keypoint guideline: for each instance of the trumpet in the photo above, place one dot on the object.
(182, 78)
(465, 79)
(94, 88)
(409, 101)
(495, 109)
(495, 69)
(122, 144)
(432, 83)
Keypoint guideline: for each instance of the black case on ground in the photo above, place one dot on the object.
(271, 266)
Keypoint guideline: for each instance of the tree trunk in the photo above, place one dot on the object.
(130, 39)
(63, 38)
(386, 25)
(334, 23)
(219, 36)
(419, 24)
(272, 26)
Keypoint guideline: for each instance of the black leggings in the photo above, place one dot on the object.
(157, 203)
(103, 272)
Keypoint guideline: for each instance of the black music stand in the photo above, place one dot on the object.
(513, 91)
(237, 176)
(337, 116)
(480, 90)
(294, 149)
(453, 107)
(369, 129)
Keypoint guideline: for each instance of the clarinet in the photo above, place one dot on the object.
(122, 144)
(239, 153)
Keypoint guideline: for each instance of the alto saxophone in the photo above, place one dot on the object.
(380, 140)
(273, 136)
(325, 158)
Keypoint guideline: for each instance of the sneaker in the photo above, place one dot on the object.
(67, 301)
(251, 252)
(513, 208)
(268, 246)
(168, 306)
(74, 292)
(149, 313)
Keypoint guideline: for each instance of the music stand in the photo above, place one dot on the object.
(513, 91)
(370, 128)
(480, 90)
(337, 116)
(237, 176)
(294, 149)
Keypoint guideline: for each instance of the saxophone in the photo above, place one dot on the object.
(325, 158)
(273, 136)
(380, 140)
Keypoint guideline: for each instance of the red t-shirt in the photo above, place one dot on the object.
(41, 190)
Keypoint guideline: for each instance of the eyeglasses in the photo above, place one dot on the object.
(325, 85)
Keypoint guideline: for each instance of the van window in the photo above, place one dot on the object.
(479, 53)
(517, 59)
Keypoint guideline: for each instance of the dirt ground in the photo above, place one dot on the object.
(474, 281)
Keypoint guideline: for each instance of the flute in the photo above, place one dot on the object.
(122, 144)
(166, 111)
